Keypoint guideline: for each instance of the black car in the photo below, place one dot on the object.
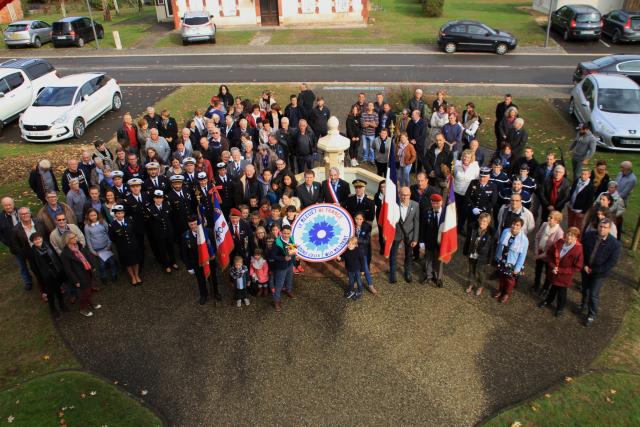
(627, 65)
(622, 26)
(474, 35)
(74, 30)
(577, 22)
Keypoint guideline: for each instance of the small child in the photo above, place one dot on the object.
(353, 262)
(275, 230)
(265, 209)
(259, 271)
(253, 203)
(290, 216)
(244, 210)
(238, 274)
(256, 221)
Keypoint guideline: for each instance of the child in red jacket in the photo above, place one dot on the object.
(259, 272)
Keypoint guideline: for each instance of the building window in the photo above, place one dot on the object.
(308, 6)
(342, 6)
(229, 8)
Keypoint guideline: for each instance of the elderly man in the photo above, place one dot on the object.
(601, 254)
(127, 134)
(237, 164)
(56, 236)
(582, 149)
(42, 180)
(47, 214)
(186, 140)
(73, 171)
(159, 144)
(152, 118)
(304, 146)
(517, 138)
(335, 189)
(555, 191)
(626, 180)
(8, 220)
(76, 200)
(417, 133)
(407, 233)
(581, 199)
(247, 187)
(265, 159)
(429, 230)
(243, 128)
(417, 104)
(20, 245)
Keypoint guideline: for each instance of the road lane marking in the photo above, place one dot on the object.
(360, 84)
(603, 42)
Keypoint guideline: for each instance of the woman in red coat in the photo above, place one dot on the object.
(564, 260)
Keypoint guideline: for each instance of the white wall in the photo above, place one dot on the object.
(604, 6)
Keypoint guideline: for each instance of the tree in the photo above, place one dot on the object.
(433, 8)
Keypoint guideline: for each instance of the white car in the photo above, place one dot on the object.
(21, 80)
(198, 26)
(65, 109)
(611, 104)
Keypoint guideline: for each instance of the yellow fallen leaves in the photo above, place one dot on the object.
(547, 395)
(516, 424)
(10, 419)
(534, 408)
(568, 379)
(46, 357)
(612, 391)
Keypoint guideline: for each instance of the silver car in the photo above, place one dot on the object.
(611, 104)
(198, 26)
(27, 33)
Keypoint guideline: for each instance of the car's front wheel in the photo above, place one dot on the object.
(116, 102)
(78, 127)
(450, 47)
(615, 38)
(36, 42)
(100, 33)
(502, 48)
(212, 40)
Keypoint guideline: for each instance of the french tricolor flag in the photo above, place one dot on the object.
(448, 232)
(224, 239)
(205, 251)
(390, 210)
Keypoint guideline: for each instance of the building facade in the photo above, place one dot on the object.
(247, 13)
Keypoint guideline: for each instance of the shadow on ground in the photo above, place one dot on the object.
(415, 355)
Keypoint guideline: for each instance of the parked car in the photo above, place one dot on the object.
(474, 35)
(627, 65)
(577, 22)
(65, 109)
(27, 33)
(611, 104)
(75, 30)
(622, 26)
(21, 80)
(198, 26)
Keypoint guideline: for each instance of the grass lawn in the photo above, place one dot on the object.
(223, 37)
(72, 398)
(403, 21)
(130, 24)
(26, 149)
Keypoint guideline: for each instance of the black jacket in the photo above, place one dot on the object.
(353, 260)
(434, 162)
(20, 242)
(564, 193)
(74, 269)
(159, 222)
(481, 198)
(304, 145)
(305, 198)
(584, 199)
(391, 118)
(484, 247)
(123, 137)
(47, 264)
(354, 128)
(418, 131)
(6, 225)
(518, 140)
(429, 230)
(306, 99)
(319, 120)
(242, 244)
(342, 193)
(606, 257)
(36, 184)
(366, 207)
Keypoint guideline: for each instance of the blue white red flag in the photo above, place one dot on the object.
(223, 237)
(390, 210)
(448, 232)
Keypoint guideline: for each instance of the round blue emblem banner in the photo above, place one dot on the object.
(321, 232)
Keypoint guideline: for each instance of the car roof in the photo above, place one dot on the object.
(194, 13)
(614, 81)
(71, 18)
(24, 21)
(21, 63)
(582, 8)
(463, 22)
(76, 79)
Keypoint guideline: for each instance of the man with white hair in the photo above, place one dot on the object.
(159, 144)
(152, 118)
(237, 164)
(417, 104)
(20, 245)
(335, 189)
(42, 180)
(517, 138)
(8, 220)
(186, 140)
(626, 180)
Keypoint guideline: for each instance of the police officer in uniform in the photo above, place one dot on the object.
(135, 207)
(225, 186)
(154, 180)
(482, 195)
(359, 202)
(123, 236)
(161, 232)
(181, 205)
(189, 253)
(528, 182)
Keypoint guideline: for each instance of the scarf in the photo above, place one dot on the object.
(519, 244)
(383, 148)
(75, 249)
(257, 263)
(553, 198)
(401, 149)
(598, 177)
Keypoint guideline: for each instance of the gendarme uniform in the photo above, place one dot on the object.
(161, 230)
(481, 198)
(363, 204)
(123, 235)
(135, 207)
(182, 205)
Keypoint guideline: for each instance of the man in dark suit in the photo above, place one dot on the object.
(310, 191)
(19, 244)
(241, 129)
(335, 189)
(189, 253)
(306, 98)
(154, 180)
(420, 193)
(359, 202)
(227, 127)
(407, 233)
(429, 236)
(501, 109)
(203, 199)
(247, 187)
(135, 207)
(242, 236)
(517, 138)
(225, 186)
(417, 133)
(386, 117)
(182, 204)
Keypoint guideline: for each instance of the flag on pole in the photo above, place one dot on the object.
(203, 250)
(390, 210)
(448, 231)
(224, 240)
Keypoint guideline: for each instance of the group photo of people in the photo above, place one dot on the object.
(251, 161)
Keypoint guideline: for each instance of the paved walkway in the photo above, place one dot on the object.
(414, 355)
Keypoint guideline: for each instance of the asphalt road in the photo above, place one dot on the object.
(604, 46)
(136, 99)
(470, 69)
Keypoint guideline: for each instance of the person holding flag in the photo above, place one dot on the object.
(196, 255)
(223, 237)
(448, 231)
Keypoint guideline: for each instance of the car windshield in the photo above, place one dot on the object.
(196, 20)
(16, 27)
(622, 101)
(588, 17)
(55, 97)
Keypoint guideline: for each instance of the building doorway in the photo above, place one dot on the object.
(269, 12)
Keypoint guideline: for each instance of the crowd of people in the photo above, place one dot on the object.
(161, 181)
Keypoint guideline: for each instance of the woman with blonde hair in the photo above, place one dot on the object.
(548, 234)
(405, 156)
(465, 170)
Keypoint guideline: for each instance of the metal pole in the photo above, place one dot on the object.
(546, 39)
(93, 26)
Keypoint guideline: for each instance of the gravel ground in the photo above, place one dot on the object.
(416, 355)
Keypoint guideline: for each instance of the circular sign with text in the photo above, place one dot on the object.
(321, 232)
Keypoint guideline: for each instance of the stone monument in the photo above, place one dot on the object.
(333, 145)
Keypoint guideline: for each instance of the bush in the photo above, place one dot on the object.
(433, 8)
